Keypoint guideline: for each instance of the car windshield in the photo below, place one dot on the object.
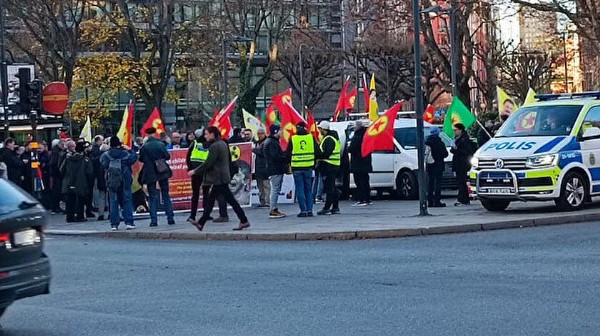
(407, 137)
(541, 121)
(13, 199)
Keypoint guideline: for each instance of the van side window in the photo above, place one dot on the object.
(592, 119)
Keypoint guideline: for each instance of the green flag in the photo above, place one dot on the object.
(457, 113)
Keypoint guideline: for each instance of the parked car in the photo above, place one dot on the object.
(24, 268)
(394, 171)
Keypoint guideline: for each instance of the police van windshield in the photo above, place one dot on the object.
(541, 121)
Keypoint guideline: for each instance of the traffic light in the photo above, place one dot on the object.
(34, 89)
(24, 78)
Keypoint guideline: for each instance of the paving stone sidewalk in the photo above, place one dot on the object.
(383, 219)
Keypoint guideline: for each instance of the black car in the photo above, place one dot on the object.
(24, 268)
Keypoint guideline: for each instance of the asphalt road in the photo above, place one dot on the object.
(537, 281)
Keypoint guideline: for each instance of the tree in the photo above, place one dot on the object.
(520, 71)
(322, 67)
(48, 34)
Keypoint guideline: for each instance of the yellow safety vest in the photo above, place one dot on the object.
(199, 153)
(335, 157)
(303, 151)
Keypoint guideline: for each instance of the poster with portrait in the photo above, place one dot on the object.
(286, 196)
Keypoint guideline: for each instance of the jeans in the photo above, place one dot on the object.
(196, 187)
(264, 190)
(276, 183)
(333, 198)
(121, 199)
(225, 192)
(302, 180)
(434, 184)
(463, 191)
(363, 187)
(318, 185)
(168, 206)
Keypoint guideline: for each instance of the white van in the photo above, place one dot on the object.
(394, 171)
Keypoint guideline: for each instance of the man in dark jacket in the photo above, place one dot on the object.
(77, 170)
(437, 152)
(328, 165)
(360, 166)
(301, 153)
(261, 173)
(237, 136)
(217, 175)
(276, 168)
(58, 149)
(152, 154)
(461, 162)
(120, 195)
(14, 165)
(94, 155)
(44, 159)
(196, 156)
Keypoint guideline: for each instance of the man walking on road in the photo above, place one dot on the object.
(301, 152)
(360, 166)
(276, 168)
(197, 154)
(154, 156)
(261, 173)
(117, 163)
(328, 165)
(217, 175)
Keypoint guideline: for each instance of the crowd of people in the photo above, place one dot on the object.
(93, 178)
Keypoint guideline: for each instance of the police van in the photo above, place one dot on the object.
(548, 151)
(394, 171)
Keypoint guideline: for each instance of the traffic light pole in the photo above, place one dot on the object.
(3, 71)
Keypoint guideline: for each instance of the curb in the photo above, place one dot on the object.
(335, 235)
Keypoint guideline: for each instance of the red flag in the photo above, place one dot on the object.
(280, 99)
(341, 104)
(351, 100)
(380, 135)
(366, 94)
(429, 114)
(222, 121)
(154, 121)
(271, 116)
(312, 125)
(289, 119)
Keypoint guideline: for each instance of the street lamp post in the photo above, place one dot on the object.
(301, 64)
(564, 34)
(3, 71)
(419, 109)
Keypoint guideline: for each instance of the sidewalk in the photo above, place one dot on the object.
(384, 219)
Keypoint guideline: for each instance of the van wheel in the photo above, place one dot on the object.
(407, 187)
(573, 192)
(494, 205)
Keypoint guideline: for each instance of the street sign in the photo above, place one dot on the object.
(56, 98)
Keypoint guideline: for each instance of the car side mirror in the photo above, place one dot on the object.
(591, 133)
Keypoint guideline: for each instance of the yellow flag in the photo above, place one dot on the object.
(373, 105)
(252, 123)
(530, 99)
(86, 131)
(506, 104)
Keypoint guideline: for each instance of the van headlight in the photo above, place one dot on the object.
(539, 161)
(474, 162)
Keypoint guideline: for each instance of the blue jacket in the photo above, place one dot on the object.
(128, 159)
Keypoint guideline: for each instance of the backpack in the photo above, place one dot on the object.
(114, 175)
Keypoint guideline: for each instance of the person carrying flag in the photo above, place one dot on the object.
(329, 156)
(301, 153)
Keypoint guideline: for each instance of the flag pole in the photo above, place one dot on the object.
(483, 128)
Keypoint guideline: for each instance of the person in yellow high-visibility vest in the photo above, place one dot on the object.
(330, 156)
(302, 151)
(196, 156)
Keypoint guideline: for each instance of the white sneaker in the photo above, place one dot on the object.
(113, 228)
(130, 227)
(359, 204)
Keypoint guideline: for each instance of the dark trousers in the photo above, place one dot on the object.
(89, 201)
(75, 205)
(333, 198)
(434, 184)
(225, 192)
(196, 187)
(56, 193)
(463, 192)
(363, 187)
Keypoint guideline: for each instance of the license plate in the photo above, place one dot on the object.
(26, 238)
(500, 190)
